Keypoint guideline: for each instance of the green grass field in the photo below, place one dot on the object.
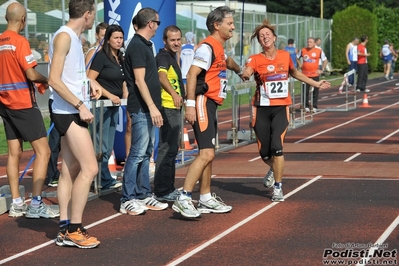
(243, 99)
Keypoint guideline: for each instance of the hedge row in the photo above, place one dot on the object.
(379, 25)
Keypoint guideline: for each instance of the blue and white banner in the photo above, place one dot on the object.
(121, 12)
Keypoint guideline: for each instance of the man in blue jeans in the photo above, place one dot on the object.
(143, 104)
(172, 94)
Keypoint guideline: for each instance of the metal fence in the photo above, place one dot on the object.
(294, 27)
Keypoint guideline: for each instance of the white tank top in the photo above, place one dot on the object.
(385, 50)
(352, 52)
(73, 74)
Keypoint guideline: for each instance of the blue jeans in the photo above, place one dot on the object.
(110, 119)
(351, 78)
(169, 136)
(136, 179)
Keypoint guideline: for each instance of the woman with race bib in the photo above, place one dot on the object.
(271, 69)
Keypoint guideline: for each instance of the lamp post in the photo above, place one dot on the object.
(321, 8)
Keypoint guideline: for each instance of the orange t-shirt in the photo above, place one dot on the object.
(16, 92)
(311, 59)
(271, 77)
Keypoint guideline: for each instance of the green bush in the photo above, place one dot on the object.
(388, 24)
(351, 22)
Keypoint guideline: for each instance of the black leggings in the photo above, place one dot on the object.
(270, 125)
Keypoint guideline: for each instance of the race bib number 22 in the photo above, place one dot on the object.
(277, 89)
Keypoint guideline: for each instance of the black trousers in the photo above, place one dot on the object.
(362, 76)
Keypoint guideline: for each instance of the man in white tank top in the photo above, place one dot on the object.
(71, 115)
(351, 58)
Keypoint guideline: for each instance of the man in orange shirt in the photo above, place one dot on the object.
(22, 118)
(206, 90)
(310, 68)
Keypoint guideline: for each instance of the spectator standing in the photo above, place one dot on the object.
(187, 55)
(318, 45)
(100, 32)
(107, 69)
(351, 58)
(393, 63)
(206, 90)
(362, 65)
(21, 116)
(144, 102)
(71, 115)
(386, 55)
(271, 107)
(172, 93)
(54, 142)
(290, 48)
(310, 68)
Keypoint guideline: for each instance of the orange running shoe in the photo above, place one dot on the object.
(80, 239)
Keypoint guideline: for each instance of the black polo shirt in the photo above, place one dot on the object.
(139, 55)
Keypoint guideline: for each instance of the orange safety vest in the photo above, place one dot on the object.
(211, 82)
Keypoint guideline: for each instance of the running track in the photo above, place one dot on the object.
(340, 182)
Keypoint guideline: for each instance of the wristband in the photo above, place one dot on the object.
(190, 103)
(78, 105)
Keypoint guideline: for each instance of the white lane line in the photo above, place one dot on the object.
(236, 226)
(380, 241)
(347, 122)
(387, 136)
(45, 244)
(352, 157)
(254, 159)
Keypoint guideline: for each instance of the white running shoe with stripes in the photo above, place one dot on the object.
(150, 203)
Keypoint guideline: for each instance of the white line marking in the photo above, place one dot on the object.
(387, 136)
(380, 240)
(346, 123)
(45, 244)
(352, 157)
(236, 226)
(254, 159)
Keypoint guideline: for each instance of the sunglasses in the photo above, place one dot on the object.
(157, 21)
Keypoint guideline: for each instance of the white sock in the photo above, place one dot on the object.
(205, 197)
(184, 197)
(18, 201)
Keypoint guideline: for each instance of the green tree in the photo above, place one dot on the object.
(388, 23)
(351, 22)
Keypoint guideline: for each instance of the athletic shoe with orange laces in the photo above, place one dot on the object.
(80, 239)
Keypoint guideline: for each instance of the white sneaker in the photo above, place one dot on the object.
(268, 181)
(44, 211)
(386, 77)
(17, 211)
(314, 110)
(277, 194)
(150, 203)
(307, 110)
(186, 208)
(214, 204)
(366, 90)
(131, 207)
